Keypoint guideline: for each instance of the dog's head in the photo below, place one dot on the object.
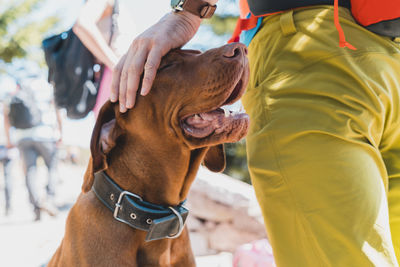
(184, 108)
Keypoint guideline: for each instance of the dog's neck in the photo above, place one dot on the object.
(161, 177)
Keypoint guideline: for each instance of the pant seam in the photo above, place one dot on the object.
(271, 140)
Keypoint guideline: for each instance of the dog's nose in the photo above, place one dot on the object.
(234, 50)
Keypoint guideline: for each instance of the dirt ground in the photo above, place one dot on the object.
(25, 243)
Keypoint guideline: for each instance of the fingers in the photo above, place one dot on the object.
(114, 94)
(122, 90)
(135, 70)
(150, 70)
(127, 75)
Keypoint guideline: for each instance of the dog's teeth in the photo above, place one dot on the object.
(226, 111)
(241, 108)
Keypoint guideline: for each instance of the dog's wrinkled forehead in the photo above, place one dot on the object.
(182, 53)
(177, 56)
(178, 72)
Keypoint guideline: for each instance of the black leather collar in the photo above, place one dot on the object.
(159, 221)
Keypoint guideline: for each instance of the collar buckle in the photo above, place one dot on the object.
(118, 204)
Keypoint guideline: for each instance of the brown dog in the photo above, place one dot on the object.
(154, 151)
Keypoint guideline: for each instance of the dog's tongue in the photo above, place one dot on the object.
(203, 124)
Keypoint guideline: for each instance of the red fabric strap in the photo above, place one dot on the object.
(243, 25)
(342, 38)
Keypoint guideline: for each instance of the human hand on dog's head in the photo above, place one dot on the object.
(145, 53)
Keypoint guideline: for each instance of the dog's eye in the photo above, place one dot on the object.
(166, 66)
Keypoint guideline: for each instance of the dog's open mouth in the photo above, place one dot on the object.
(218, 120)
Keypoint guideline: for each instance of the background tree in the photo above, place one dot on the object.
(22, 28)
(222, 24)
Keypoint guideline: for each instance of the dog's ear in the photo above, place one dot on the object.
(215, 158)
(105, 134)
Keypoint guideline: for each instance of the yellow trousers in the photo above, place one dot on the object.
(324, 140)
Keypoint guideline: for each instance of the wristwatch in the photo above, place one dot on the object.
(197, 7)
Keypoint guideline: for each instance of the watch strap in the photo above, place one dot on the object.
(199, 8)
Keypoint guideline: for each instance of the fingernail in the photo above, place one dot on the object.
(129, 103)
(122, 108)
(143, 91)
(113, 97)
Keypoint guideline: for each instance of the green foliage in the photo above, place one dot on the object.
(19, 32)
(222, 24)
(236, 161)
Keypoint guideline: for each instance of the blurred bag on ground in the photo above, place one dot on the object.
(255, 254)
(73, 73)
(23, 110)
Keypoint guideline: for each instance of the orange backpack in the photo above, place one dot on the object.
(368, 12)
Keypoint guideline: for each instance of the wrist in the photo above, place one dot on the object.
(188, 18)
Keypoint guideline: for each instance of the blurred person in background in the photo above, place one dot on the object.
(8, 156)
(99, 28)
(7, 160)
(34, 125)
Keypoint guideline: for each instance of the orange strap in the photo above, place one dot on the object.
(342, 38)
(243, 25)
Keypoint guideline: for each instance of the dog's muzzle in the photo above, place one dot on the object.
(158, 221)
